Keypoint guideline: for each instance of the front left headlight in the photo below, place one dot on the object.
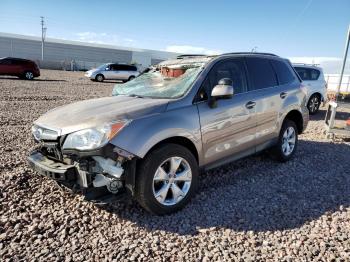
(93, 138)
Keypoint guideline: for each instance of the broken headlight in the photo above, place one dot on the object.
(92, 138)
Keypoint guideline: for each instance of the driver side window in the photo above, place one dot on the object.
(230, 68)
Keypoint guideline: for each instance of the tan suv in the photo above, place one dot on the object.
(154, 135)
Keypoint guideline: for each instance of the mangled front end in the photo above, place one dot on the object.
(85, 161)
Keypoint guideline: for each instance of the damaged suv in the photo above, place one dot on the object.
(156, 133)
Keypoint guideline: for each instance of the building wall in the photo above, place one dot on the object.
(60, 53)
(332, 81)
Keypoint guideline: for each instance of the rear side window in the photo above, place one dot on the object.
(132, 68)
(261, 73)
(283, 71)
(308, 74)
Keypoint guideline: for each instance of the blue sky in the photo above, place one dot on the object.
(298, 28)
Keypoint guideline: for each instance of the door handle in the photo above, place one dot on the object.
(250, 104)
(283, 95)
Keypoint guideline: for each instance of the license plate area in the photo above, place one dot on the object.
(52, 169)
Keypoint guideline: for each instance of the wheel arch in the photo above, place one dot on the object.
(98, 75)
(316, 93)
(179, 140)
(297, 117)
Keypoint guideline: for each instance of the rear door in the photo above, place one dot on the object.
(268, 95)
(7, 67)
(228, 130)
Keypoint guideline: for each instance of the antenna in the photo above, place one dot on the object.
(254, 49)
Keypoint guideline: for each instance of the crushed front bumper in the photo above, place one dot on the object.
(78, 181)
(52, 169)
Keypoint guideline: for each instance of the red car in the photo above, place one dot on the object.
(23, 68)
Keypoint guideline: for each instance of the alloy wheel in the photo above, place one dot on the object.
(29, 75)
(314, 104)
(172, 181)
(288, 141)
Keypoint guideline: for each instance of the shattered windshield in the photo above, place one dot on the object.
(167, 82)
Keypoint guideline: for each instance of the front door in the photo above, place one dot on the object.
(228, 130)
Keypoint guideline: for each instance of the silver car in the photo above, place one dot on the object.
(154, 135)
(315, 84)
(112, 71)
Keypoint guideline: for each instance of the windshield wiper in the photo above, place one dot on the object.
(134, 95)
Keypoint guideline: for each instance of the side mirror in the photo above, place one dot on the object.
(223, 90)
(107, 69)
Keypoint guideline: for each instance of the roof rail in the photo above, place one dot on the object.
(189, 55)
(306, 64)
(249, 53)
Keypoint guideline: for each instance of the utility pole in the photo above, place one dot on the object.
(344, 61)
(43, 35)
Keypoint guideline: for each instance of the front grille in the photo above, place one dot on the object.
(52, 150)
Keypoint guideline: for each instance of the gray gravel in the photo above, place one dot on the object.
(253, 209)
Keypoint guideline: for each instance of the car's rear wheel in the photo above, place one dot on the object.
(100, 78)
(287, 141)
(131, 78)
(314, 104)
(28, 75)
(167, 179)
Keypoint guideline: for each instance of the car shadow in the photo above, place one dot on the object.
(259, 194)
(34, 80)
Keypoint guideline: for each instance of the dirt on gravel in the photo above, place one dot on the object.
(252, 209)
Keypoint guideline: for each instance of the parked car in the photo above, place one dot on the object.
(23, 68)
(315, 83)
(157, 132)
(111, 71)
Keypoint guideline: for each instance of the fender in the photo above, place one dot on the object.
(144, 133)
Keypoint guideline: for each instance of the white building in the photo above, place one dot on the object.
(59, 54)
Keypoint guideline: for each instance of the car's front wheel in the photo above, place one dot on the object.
(167, 179)
(28, 75)
(287, 141)
(99, 78)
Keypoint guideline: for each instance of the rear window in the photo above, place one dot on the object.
(283, 71)
(261, 73)
(308, 74)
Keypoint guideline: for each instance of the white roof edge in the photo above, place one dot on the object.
(75, 42)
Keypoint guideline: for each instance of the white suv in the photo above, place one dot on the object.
(108, 71)
(315, 83)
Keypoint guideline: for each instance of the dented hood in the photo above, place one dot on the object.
(94, 112)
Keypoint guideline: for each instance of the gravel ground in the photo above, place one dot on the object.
(253, 209)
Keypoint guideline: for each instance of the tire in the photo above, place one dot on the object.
(131, 78)
(151, 182)
(99, 78)
(280, 151)
(314, 104)
(28, 75)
